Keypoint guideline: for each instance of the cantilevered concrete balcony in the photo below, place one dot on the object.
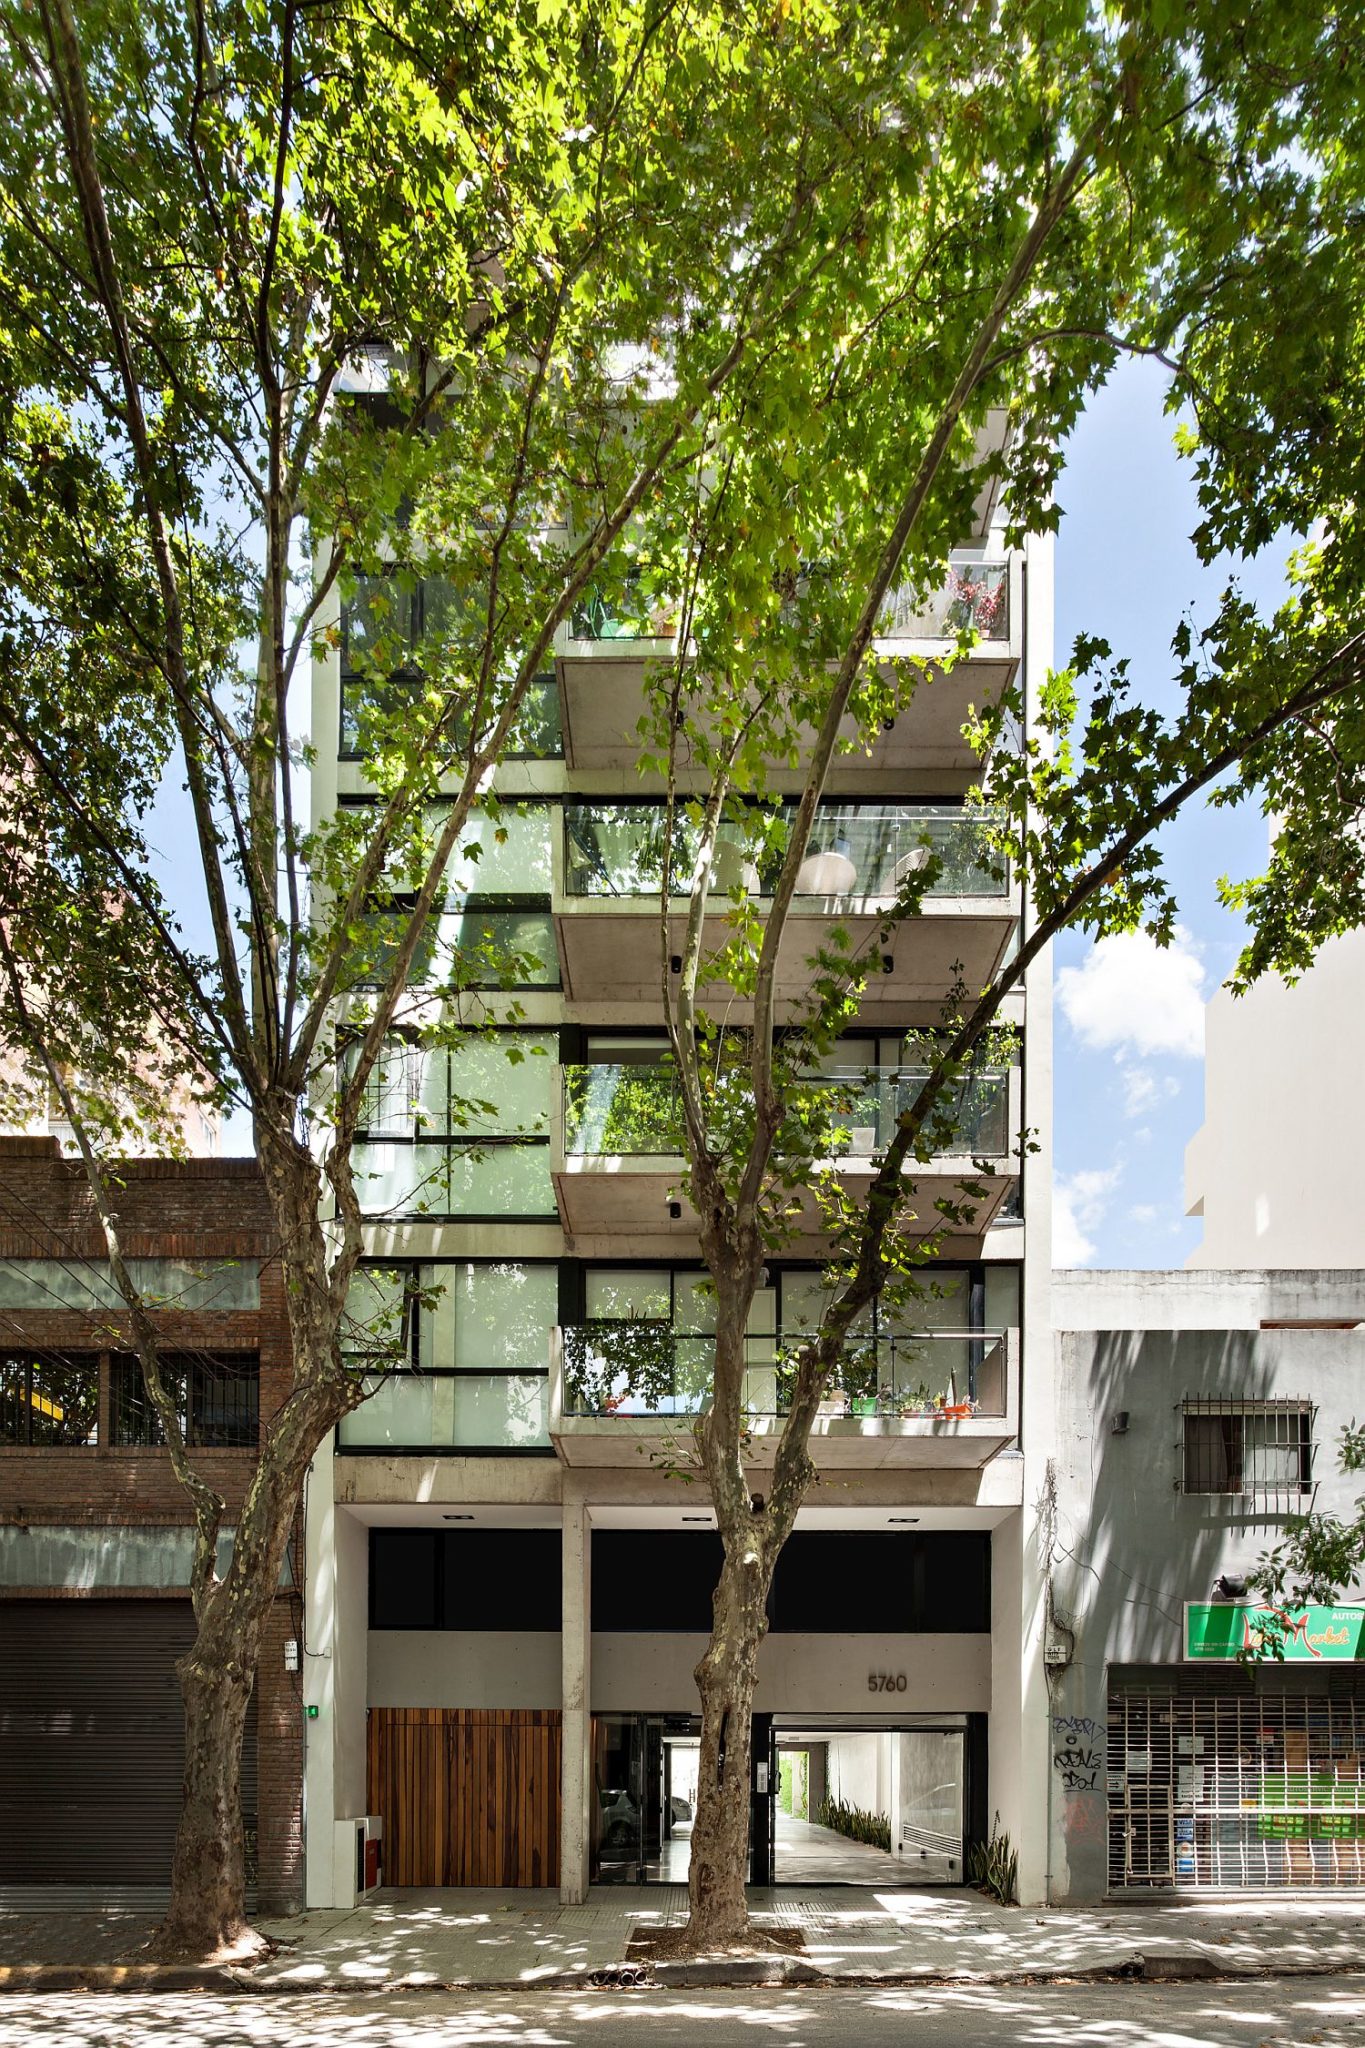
(608, 869)
(602, 656)
(934, 1399)
(617, 1165)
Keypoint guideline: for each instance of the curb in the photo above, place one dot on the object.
(768, 1971)
(123, 1977)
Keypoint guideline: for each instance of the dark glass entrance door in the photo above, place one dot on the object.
(644, 1797)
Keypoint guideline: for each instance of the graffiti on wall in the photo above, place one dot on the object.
(1078, 1757)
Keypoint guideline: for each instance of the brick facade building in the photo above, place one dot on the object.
(95, 1532)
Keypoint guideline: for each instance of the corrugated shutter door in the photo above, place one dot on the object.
(92, 1741)
(1224, 1781)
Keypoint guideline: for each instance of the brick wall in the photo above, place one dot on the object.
(192, 1209)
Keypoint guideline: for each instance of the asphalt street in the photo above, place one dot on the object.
(1325, 2012)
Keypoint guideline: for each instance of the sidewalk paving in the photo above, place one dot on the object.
(526, 1938)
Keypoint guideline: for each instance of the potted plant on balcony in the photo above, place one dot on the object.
(859, 1377)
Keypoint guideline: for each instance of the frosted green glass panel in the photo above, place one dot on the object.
(481, 1071)
(505, 1412)
(490, 1314)
(513, 857)
(400, 1411)
(505, 1180)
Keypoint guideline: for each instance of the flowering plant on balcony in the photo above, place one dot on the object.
(976, 602)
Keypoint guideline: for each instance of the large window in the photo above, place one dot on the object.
(393, 632)
(644, 1341)
(217, 1398)
(492, 928)
(466, 1579)
(459, 1132)
(479, 1372)
(49, 1398)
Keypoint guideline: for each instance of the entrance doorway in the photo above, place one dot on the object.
(644, 1797)
(879, 1806)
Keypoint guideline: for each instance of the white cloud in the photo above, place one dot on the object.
(1143, 1212)
(1079, 1202)
(1131, 995)
(1143, 1090)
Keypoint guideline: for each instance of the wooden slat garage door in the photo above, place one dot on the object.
(467, 1795)
(92, 1741)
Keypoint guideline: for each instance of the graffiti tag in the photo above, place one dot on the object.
(1079, 1762)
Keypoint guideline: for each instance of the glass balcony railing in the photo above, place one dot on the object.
(634, 1111)
(635, 1369)
(639, 613)
(975, 599)
(856, 850)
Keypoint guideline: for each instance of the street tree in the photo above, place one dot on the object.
(298, 303)
(1077, 808)
(535, 303)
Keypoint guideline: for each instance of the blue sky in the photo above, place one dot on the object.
(1129, 1076)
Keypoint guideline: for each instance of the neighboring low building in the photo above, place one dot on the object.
(1274, 1171)
(95, 1535)
(1195, 1413)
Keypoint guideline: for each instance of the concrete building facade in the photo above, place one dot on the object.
(507, 1591)
(1195, 1414)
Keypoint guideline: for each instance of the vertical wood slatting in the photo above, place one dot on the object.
(468, 1795)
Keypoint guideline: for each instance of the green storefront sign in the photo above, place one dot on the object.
(1219, 1632)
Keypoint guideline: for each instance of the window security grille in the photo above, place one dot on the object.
(49, 1399)
(217, 1399)
(1215, 1789)
(1261, 1449)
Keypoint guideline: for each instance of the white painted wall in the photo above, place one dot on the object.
(1277, 1164)
(859, 1771)
(336, 1546)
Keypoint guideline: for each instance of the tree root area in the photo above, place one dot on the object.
(241, 1950)
(679, 1944)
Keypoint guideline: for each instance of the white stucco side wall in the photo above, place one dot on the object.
(1275, 1170)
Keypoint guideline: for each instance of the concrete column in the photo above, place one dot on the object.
(336, 1646)
(1005, 1757)
(576, 1649)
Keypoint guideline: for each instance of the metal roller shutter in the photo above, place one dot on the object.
(1219, 1782)
(92, 1741)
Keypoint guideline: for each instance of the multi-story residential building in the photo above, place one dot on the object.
(95, 1530)
(1281, 1191)
(508, 1590)
(1198, 1741)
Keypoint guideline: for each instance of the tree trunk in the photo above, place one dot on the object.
(208, 1876)
(726, 1677)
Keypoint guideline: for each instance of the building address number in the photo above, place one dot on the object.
(886, 1681)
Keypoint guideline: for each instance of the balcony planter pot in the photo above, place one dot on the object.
(864, 1404)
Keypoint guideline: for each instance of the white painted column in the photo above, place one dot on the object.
(576, 1753)
(336, 1647)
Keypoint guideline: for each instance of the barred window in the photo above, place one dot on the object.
(49, 1398)
(1263, 1448)
(217, 1399)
